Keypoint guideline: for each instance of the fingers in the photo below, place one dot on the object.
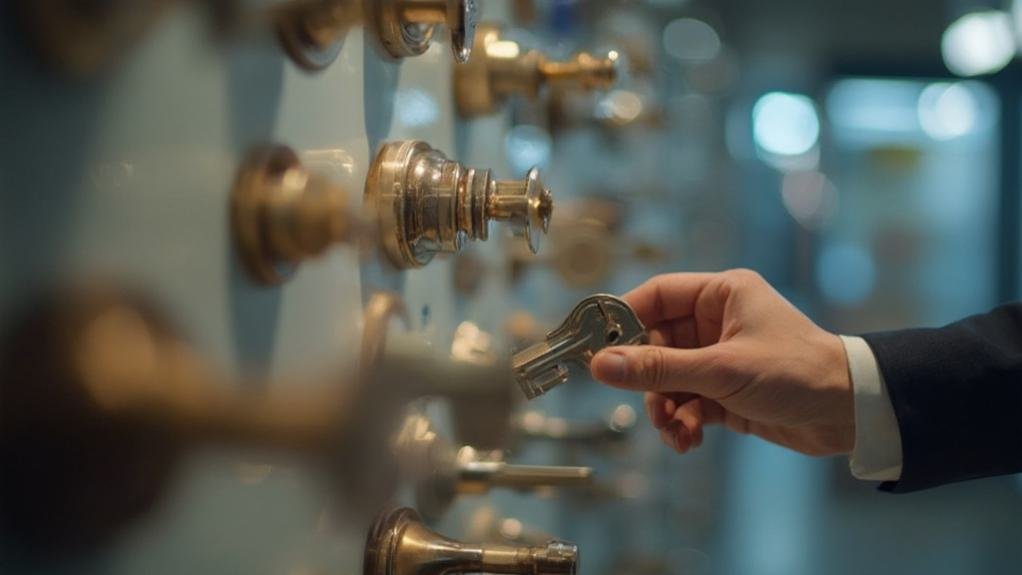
(660, 407)
(668, 296)
(704, 371)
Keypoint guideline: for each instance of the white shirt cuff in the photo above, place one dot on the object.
(877, 453)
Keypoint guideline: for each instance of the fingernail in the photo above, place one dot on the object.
(610, 366)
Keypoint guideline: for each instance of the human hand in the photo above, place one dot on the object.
(726, 348)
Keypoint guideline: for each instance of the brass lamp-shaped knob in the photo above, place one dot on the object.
(312, 31)
(428, 204)
(399, 544)
(283, 214)
(502, 67)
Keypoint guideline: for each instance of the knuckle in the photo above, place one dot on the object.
(745, 276)
(652, 368)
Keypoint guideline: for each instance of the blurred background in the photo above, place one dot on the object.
(863, 156)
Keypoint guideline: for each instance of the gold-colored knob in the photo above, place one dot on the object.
(283, 214)
(428, 204)
(313, 31)
(399, 544)
(501, 67)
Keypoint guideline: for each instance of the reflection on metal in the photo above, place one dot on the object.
(617, 426)
(399, 544)
(100, 401)
(444, 472)
(597, 322)
(283, 214)
(428, 204)
(313, 31)
(486, 524)
(501, 67)
(82, 37)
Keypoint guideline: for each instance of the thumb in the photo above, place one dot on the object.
(661, 369)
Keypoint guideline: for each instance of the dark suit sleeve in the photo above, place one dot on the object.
(957, 394)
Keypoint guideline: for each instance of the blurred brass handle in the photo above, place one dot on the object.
(501, 67)
(283, 213)
(100, 400)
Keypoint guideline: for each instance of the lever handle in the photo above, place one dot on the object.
(399, 544)
(481, 476)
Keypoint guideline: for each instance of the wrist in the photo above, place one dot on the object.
(837, 384)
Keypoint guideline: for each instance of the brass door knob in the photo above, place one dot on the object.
(282, 214)
(399, 544)
(313, 31)
(100, 400)
(502, 67)
(445, 472)
(427, 204)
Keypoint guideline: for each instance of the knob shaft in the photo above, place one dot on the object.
(428, 204)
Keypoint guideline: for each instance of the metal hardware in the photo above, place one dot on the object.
(446, 472)
(312, 31)
(597, 322)
(100, 401)
(283, 214)
(486, 524)
(82, 38)
(399, 544)
(428, 204)
(501, 68)
(617, 426)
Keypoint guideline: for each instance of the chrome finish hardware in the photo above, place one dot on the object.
(428, 204)
(283, 214)
(313, 31)
(447, 472)
(597, 322)
(534, 425)
(501, 68)
(100, 401)
(399, 544)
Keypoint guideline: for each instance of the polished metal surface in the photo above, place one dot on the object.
(399, 544)
(283, 214)
(597, 322)
(313, 31)
(502, 67)
(427, 204)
